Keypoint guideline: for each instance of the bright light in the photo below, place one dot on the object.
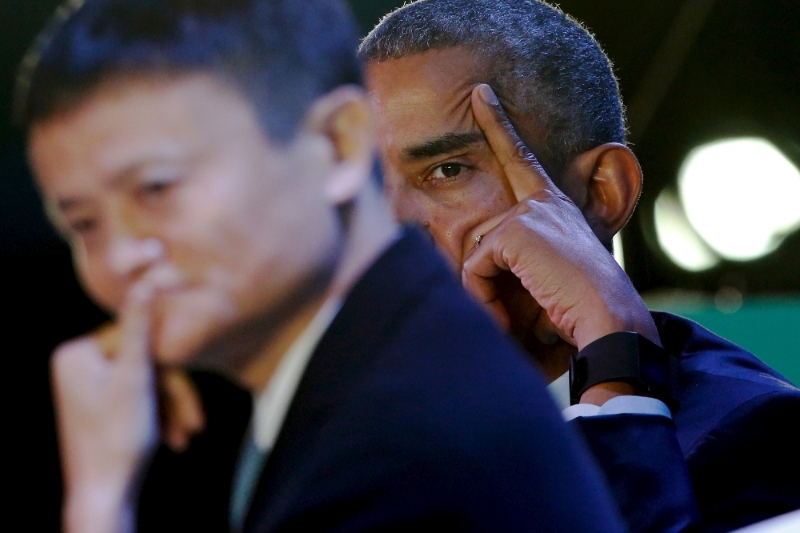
(741, 195)
(677, 237)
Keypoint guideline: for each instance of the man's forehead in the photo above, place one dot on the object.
(424, 96)
(127, 131)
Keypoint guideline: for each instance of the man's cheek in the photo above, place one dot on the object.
(102, 287)
(179, 328)
(454, 237)
(408, 204)
(186, 320)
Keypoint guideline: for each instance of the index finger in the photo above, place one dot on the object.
(134, 326)
(523, 171)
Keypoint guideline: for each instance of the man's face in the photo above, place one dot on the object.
(175, 180)
(439, 168)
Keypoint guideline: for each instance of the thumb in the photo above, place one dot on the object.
(181, 409)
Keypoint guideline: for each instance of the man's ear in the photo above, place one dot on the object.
(343, 117)
(607, 182)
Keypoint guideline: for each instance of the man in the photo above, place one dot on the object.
(209, 163)
(466, 92)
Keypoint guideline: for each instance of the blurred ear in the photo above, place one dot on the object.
(605, 183)
(343, 117)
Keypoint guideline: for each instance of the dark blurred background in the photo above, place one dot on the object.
(693, 73)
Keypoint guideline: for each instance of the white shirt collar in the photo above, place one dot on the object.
(273, 401)
(559, 390)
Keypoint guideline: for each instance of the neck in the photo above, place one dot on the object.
(372, 230)
(259, 370)
(369, 231)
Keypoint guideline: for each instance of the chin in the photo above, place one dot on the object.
(180, 333)
(174, 346)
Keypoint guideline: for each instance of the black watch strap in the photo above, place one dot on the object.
(623, 356)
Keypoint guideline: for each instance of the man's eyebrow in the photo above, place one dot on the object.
(443, 145)
(120, 178)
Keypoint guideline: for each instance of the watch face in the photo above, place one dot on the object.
(578, 375)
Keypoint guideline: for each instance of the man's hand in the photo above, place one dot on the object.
(547, 244)
(107, 419)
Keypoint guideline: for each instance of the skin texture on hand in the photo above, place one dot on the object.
(546, 242)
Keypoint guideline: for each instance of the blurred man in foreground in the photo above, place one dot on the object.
(502, 132)
(210, 163)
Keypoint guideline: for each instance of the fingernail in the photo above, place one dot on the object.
(487, 94)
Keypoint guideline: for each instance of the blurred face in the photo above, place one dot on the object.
(439, 169)
(174, 179)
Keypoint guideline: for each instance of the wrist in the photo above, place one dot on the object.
(621, 363)
(603, 320)
(602, 392)
(99, 507)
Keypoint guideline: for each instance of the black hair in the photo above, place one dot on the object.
(544, 62)
(280, 54)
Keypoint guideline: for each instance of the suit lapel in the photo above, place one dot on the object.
(390, 289)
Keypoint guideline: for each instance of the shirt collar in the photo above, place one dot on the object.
(272, 403)
(559, 390)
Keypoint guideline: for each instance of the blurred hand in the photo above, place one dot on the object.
(107, 419)
(105, 397)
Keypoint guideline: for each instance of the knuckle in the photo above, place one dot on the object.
(511, 227)
(541, 196)
(70, 356)
(522, 153)
(527, 205)
(72, 348)
(524, 157)
(513, 220)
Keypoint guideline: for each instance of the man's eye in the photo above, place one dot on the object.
(156, 189)
(448, 170)
(82, 226)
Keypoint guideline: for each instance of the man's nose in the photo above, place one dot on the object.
(131, 257)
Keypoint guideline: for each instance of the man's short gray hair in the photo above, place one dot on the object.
(543, 61)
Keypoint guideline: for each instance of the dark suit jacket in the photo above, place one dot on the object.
(736, 428)
(414, 412)
(410, 379)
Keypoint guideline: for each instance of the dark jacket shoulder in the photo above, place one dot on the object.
(736, 426)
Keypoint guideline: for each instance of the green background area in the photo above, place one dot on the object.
(769, 328)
